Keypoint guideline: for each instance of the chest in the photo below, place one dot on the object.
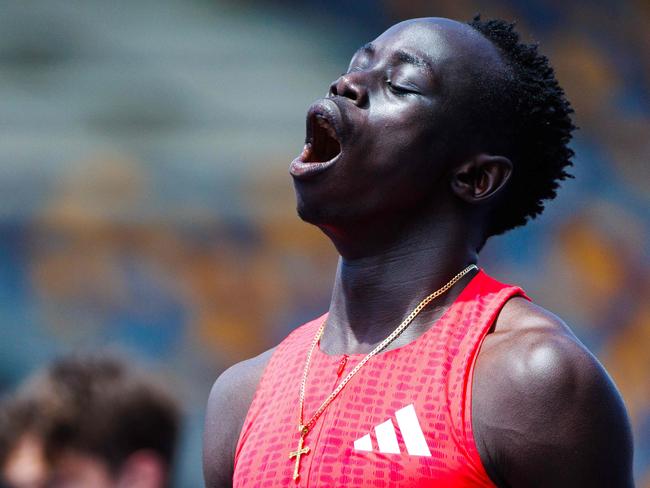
(400, 421)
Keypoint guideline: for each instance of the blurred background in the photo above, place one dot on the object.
(145, 201)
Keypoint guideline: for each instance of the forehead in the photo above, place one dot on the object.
(440, 42)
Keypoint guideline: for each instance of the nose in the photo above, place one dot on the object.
(350, 87)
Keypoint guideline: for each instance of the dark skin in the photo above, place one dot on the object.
(405, 204)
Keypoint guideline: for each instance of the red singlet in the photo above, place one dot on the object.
(403, 420)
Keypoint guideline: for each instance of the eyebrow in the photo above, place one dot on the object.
(368, 48)
(401, 55)
(409, 58)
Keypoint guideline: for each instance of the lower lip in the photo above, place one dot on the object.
(302, 170)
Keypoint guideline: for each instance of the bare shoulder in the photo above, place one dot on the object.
(545, 411)
(228, 404)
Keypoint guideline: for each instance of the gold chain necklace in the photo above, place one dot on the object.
(304, 428)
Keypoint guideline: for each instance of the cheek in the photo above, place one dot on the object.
(401, 149)
(403, 168)
(402, 127)
(396, 176)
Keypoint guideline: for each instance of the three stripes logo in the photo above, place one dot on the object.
(409, 426)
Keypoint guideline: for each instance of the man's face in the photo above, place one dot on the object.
(27, 467)
(392, 126)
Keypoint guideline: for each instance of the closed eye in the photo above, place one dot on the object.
(353, 69)
(399, 89)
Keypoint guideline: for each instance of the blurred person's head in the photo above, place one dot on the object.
(88, 422)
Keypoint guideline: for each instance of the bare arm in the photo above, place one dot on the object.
(229, 401)
(546, 414)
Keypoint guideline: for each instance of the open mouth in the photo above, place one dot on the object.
(322, 143)
(323, 147)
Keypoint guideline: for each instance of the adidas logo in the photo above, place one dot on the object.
(412, 434)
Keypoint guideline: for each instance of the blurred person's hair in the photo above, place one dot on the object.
(96, 405)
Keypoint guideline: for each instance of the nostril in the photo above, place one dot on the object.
(350, 89)
(333, 91)
(346, 89)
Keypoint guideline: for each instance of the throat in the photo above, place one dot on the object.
(345, 339)
(358, 326)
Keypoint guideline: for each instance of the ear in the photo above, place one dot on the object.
(479, 179)
(142, 469)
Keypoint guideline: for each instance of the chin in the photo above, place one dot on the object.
(318, 215)
(333, 217)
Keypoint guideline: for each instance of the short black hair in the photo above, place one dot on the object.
(94, 404)
(531, 116)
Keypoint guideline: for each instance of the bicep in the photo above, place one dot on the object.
(586, 443)
(558, 421)
(219, 437)
(228, 404)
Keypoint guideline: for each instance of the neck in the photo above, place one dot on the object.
(375, 291)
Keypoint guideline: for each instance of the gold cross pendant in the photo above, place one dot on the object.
(298, 453)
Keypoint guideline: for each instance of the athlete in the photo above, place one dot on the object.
(426, 371)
